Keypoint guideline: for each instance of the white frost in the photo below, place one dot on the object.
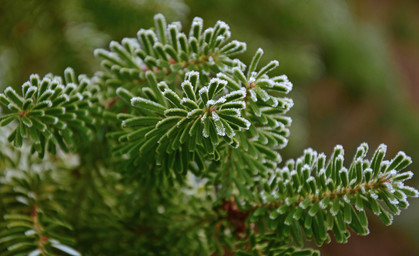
(72, 86)
(31, 89)
(220, 38)
(253, 95)
(204, 133)
(339, 148)
(310, 179)
(323, 205)
(48, 102)
(210, 103)
(79, 96)
(222, 24)
(347, 199)
(221, 100)
(220, 129)
(47, 91)
(373, 195)
(218, 81)
(189, 74)
(247, 123)
(55, 120)
(203, 90)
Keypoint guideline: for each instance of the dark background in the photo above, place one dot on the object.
(354, 65)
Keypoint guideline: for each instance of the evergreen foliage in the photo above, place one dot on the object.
(173, 149)
(51, 111)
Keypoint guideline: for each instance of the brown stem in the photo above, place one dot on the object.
(375, 184)
(42, 239)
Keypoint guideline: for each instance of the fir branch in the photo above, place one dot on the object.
(197, 120)
(50, 113)
(313, 196)
(196, 138)
(29, 225)
(170, 55)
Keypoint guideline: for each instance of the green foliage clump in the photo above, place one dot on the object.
(51, 111)
(175, 151)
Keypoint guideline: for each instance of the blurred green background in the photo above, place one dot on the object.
(354, 65)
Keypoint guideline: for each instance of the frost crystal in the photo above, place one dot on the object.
(49, 103)
(60, 87)
(158, 44)
(238, 63)
(113, 44)
(9, 89)
(251, 80)
(166, 90)
(290, 104)
(218, 81)
(192, 113)
(220, 38)
(66, 98)
(203, 90)
(189, 74)
(204, 133)
(347, 198)
(79, 96)
(264, 95)
(151, 33)
(221, 100)
(55, 120)
(323, 205)
(183, 100)
(382, 148)
(281, 78)
(253, 96)
(33, 77)
(363, 190)
(339, 148)
(135, 99)
(253, 75)
(31, 89)
(247, 123)
(197, 21)
(393, 201)
(288, 200)
(275, 104)
(87, 94)
(46, 80)
(389, 187)
(132, 42)
(46, 91)
(220, 129)
(71, 86)
(311, 178)
(211, 60)
(222, 24)
(215, 116)
(26, 84)
(204, 116)
(186, 82)
(392, 173)
(241, 92)
(210, 103)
